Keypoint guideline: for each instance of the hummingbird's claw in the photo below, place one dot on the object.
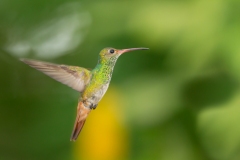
(93, 106)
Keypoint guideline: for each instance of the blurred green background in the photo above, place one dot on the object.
(178, 101)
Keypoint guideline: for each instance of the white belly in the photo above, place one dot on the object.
(100, 93)
(96, 96)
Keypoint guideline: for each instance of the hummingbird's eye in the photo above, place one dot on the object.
(111, 51)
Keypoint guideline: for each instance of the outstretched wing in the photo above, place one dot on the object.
(73, 76)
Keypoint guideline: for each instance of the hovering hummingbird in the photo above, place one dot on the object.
(91, 84)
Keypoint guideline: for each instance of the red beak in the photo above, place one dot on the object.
(121, 51)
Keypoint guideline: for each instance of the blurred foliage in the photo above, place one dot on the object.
(177, 101)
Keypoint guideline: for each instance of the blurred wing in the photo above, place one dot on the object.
(73, 76)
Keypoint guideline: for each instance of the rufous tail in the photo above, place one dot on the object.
(82, 113)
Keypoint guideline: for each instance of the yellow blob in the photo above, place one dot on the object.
(103, 137)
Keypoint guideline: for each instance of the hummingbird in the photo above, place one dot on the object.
(92, 84)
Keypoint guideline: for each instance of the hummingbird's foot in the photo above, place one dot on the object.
(89, 105)
(93, 106)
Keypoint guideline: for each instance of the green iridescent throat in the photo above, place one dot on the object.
(104, 69)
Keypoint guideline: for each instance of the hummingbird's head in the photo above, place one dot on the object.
(109, 53)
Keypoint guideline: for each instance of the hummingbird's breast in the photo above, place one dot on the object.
(98, 94)
(94, 93)
(95, 90)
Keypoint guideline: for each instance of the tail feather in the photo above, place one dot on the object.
(82, 113)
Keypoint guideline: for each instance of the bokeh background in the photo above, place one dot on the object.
(180, 100)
